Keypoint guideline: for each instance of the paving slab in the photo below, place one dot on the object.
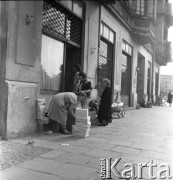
(73, 158)
(41, 165)
(17, 173)
(74, 172)
(54, 154)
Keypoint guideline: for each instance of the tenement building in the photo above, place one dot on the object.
(122, 40)
(166, 84)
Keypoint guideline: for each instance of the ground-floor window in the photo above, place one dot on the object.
(61, 43)
(52, 55)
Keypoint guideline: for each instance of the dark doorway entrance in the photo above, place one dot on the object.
(149, 81)
(72, 58)
(125, 79)
(157, 84)
(140, 78)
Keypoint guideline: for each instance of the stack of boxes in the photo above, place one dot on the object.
(83, 124)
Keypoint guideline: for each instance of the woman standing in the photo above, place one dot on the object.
(61, 104)
(104, 113)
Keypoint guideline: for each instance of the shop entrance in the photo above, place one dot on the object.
(64, 30)
(140, 79)
(149, 81)
(125, 79)
(72, 58)
(105, 63)
(156, 84)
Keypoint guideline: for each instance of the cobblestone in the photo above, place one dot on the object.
(12, 153)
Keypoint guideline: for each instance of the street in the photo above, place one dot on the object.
(143, 136)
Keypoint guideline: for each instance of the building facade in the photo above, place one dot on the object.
(42, 40)
(166, 84)
(163, 50)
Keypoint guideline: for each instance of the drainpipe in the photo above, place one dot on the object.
(153, 65)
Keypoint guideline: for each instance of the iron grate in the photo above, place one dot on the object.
(105, 64)
(59, 21)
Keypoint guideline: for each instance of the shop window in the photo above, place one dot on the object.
(59, 21)
(101, 29)
(51, 63)
(107, 33)
(127, 48)
(75, 6)
(111, 36)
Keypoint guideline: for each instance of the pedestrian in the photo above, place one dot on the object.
(62, 104)
(170, 98)
(104, 113)
(84, 87)
(76, 81)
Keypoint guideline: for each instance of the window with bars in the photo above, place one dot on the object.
(59, 21)
(104, 63)
(140, 7)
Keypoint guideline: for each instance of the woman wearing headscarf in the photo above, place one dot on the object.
(104, 113)
(62, 104)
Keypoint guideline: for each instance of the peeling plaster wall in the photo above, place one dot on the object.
(24, 41)
(21, 112)
(23, 66)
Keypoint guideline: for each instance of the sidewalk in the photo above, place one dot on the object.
(141, 135)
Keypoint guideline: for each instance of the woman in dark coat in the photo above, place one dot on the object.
(170, 98)
(104, 113)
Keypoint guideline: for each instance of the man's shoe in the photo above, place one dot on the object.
(65, 132)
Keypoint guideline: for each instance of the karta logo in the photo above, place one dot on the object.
(134, 171)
